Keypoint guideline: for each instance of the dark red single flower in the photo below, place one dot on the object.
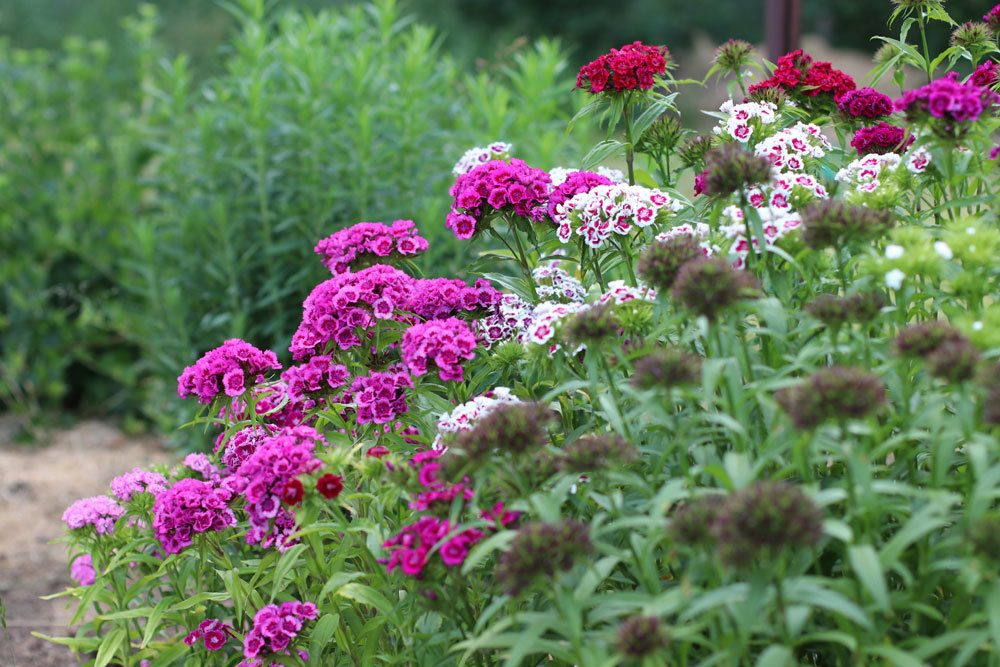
(378, 451)
(215, 640)
(294, 492)
(330, 485)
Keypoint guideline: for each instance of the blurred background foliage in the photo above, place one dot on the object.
(156, 156)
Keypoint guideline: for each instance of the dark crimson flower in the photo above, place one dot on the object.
(987, 74)
(666, 368)
(796, 72)
(691, 523)
(710, 286)
(662, 260)
(832, 393)
(954, 360)
(836, 311)
(378, 451)
(640, 636)
(591, 326)
(330, 485)
(293, 493)
(831, 223)
(596, 452)
(632, 67)
(919, 340)
(823, 78)
(865, 103)
(764, 520)
(881, 138)
(731, 169)
(540, 550)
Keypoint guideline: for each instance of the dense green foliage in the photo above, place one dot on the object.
(132, 202)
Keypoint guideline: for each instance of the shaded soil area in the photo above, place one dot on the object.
(37, 482)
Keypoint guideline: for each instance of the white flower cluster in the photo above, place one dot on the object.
(545, 319)
(740, 119)
(559, 174)
(465, 416)
(554, 283)
(868, 173)
(773, 203)
(508, 321)
(619, 292)
(611, 209)
(698, 231)
(788, 149)
(474, 157)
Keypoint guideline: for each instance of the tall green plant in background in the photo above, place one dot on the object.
(170, 191)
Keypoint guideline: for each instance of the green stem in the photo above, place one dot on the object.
(629, 155)
(927, 51)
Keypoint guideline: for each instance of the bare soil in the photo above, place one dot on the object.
(37, 482)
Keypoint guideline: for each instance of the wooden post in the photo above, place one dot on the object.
(782, 27)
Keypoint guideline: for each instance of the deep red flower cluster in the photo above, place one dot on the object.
(882, 138)
(987, 74)
(796, 72)
(865, 103)
(633, 66)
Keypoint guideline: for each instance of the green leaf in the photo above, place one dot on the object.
(109, 647)
(288, 560)
(367, 595)
(867, 566)
(602, 152)
(776, 656)
(895, 656)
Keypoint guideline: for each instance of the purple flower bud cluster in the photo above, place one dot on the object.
(263, 478)
(229, 369)
(82, 570)
(274, 629)
(493, 187)
(575, 183)
(380, 397)
(445, 343)
(101, 512)
(437, 298)
(190, 506)
(336, 308)
(865, 103)
(137, 481)
(947, 98)
(881, 139)
(411, 547)
(212, 632)
(341, 250)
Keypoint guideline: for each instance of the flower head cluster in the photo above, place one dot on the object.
(269, 477)
(949, 355)
(691, 523)
(410, 549)
(474, 157)
(553, 283)
(729, 169)
(612, 209)
(512, 428)
(508, 320)
(869, 173)
(865, 103)
(137, 481)
(640, 636)
(101, 512)
(274, 405)
(948, 100)
(667, 368)
(436, 493)
(318, 374)
(465, 416)
(596, 452)
(337, 308)
(437, 298)
(973, 36)
(881, 138)
(832, 393)
(380, 397)
(82, 570)
(574, 183)
(546, 318)
(986, 75)
(560, 174)
(369, 242)
(632, 67)
(836, 311)
(235, 450)
(661, 261)
(202, 465)
(229, 369)
(710, 286)
(212, 632)
(789, 148)
(591, 326)
(541, 550)
(741, 121)
(796, 72)
(699, 231)
(832, 223)
(992, 19)
(190, 506)
(620, 292)
(494, 187)
(274, 629)
(445, 343)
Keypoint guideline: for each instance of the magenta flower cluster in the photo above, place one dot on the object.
(435, 492)
(345, 249)
(337, 308)
(274, 629)
(264, 477)
(575, 183)
(436, 298)
(202, 465)
(497, 186)
(445, 343)
(380, 397)
(865, 103)
(101, 512)
(212, 632)
(274, 404)
(947, 98)
(82, 570)
(410, 549)
(229, 369)
(234, 451)
(137, 481)
(318, 374)
(881, 138)
(987, 74)
(190, 506)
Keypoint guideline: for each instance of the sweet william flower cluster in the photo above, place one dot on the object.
(494, 187)
(343, 251)
(229, 369)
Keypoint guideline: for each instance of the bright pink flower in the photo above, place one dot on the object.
(227, 369)
(445, 343)
(352, 247)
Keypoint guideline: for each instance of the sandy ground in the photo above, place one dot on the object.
(37, 482)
